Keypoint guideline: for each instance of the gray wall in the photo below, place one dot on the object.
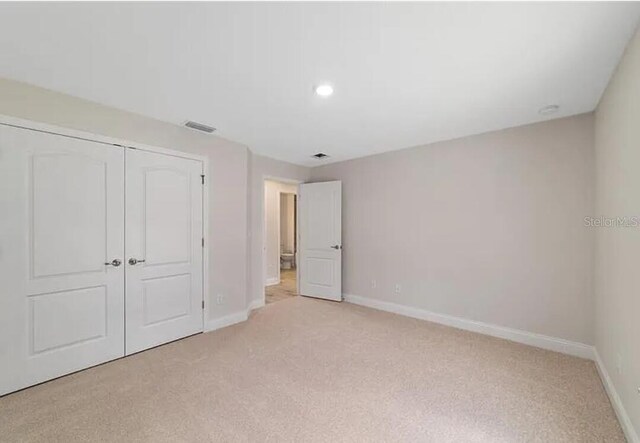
(488, 228)
(617, 277)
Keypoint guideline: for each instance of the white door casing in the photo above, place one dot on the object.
(61, 220)
(320, 221)
(164, 227)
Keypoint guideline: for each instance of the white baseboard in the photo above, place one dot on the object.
(272, 281)
(225, 321)
(256, 304)
(618, 407)
(232, 319)
(516, 335)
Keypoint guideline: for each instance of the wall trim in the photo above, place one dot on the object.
(616, 402)
(255, 304)
(232, 319)
(272, 281)
(528, 338)
(227, 320)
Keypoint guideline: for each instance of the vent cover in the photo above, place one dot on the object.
(199, 127)
(320, 155)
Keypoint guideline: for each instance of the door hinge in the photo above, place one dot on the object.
(202, 304)
(202, 177)
(203, 242)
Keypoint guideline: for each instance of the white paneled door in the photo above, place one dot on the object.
(61, 254)
(101, 253)
(163, 249)
(320, 215)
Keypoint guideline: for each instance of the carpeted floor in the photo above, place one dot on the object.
(310, 370)
(286, 289)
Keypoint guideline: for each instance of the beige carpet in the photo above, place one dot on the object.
(286, 289)
(310, 370)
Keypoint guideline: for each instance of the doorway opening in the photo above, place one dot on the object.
(280, 240)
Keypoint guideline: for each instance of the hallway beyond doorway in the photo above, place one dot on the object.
(285, 289)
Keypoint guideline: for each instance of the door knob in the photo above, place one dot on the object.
(336, 247)
(115, 262)
(133, 261)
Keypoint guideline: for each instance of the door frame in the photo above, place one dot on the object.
(263, 221)
(123, 143)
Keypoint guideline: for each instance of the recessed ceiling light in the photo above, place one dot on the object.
(324, 90)
(548, 110)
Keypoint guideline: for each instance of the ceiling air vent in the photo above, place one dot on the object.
(199, 127)
(320, 155)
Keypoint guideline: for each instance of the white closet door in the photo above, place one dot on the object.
(61, 220)
(163, 249)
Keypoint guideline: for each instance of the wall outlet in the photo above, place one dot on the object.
(374, 284)
(398, 288)
(220, 299)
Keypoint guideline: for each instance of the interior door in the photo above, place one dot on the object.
(61, 236)
(164, 282)
(320, 210)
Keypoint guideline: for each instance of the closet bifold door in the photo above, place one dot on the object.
(164, 254)
(61, 241)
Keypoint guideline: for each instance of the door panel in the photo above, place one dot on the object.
(167, 203)
(77, 183)
(320, 206)
(61, 308)
(86, 321)
(164, 228)
(166, 298)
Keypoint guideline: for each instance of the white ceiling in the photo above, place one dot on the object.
(404, 74)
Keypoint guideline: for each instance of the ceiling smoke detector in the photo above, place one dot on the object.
(199, 127)
(320, 155)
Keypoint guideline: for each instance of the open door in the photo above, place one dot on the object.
(320, 211)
